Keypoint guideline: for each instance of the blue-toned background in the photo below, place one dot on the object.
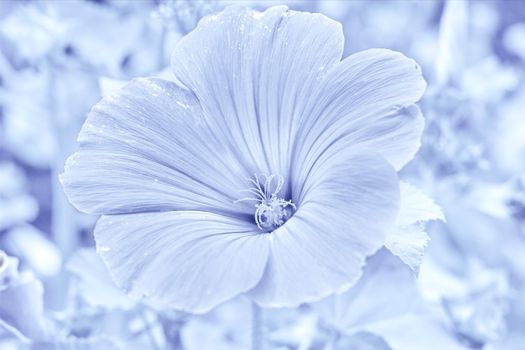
(58, 58)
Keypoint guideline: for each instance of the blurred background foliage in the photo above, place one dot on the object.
(58, 58)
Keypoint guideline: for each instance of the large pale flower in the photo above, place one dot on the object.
(268, 168)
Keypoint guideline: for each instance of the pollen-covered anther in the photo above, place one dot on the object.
(271, 210)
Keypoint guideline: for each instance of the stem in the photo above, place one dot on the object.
(333, 337)
(257, 327)
(149, 330)
(172, 323)
(14, 332)
(62, 225)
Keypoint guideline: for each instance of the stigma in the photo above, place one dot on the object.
(271, 209)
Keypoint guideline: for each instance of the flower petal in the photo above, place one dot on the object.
(147, 149)
(432, 331)
(386, 290)
(407, 239)
(254, 72)
(191, 261)
(94, 282)
(345, 209)
(362, 341)
(366, 100)
(22, 307)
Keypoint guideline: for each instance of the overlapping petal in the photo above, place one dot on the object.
(254, 72)
(188, 260)
(94, 281)
(366, 101)
(386, 290)
(147, 148)
(345, 207)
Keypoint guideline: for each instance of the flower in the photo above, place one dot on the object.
(267, 169)
(21, 301)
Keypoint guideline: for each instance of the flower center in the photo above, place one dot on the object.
(271, 210)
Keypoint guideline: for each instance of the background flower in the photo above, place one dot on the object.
(21, 301)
